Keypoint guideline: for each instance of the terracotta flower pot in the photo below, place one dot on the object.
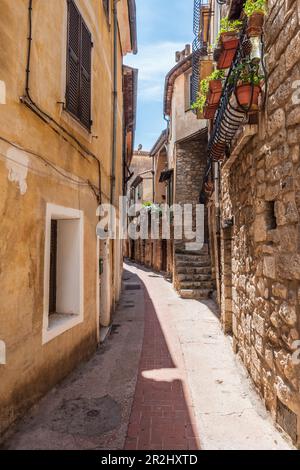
(215, 86)
(215, 92)
(247, 96)
(226, 58)
(217, 53)
(255, 24)
(229, 43)
(210, 111)
(229, 39)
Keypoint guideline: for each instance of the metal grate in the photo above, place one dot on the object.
(199, 45)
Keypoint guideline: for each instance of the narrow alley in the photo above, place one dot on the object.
(188, 392)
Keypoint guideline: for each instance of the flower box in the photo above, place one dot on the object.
(255, 24)
(248, 96)
(215, 92)
(210, 111)
(229, 43)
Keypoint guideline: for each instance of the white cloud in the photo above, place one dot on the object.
(154, 61)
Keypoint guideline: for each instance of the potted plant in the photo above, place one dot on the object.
(228, 40)
(255, 10)
(210, 94)
(201, 96)
(248, 82)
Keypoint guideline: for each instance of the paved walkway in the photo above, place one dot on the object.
(166, 378)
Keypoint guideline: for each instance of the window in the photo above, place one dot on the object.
(2, 353)
(63, 275)
(188, 91)
(79, 54)
(170, 190)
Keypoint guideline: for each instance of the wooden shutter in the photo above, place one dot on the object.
(78, 90)
(85, 76)
(73, 59)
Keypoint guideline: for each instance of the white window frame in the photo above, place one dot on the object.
(64, 322)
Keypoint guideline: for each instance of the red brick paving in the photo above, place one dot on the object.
(161, 414)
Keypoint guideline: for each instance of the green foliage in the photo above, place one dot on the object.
(204, 88)
(246, 73)
(228, 26)
(255, 6)
(217, 75)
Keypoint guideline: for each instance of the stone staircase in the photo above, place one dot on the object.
(193, 278)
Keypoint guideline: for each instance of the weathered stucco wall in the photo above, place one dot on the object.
(261, 290)
(27, 184)
(183, 122)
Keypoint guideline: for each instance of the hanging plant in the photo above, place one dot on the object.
(255, 6)
(210, 93)
(228, 28)
(255, 10)
(248, 81)
(228, 40)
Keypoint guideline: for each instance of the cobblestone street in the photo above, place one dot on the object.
(190, 392)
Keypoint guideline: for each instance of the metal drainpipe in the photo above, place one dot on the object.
(115, 106)
(153, 180)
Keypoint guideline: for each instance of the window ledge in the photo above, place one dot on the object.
(72, 122)
(60, 323)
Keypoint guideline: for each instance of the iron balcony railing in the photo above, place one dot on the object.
(230, 114)
(200, 43)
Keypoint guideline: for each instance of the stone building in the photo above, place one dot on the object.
(186, 157)
(140, 184)
(61, 155)
(254, 210)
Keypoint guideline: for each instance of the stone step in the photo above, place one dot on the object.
(194, 277)
(203, 250)
(197, 285)
(195, 293)
(193, 271)
(193, 264)
(194, 257)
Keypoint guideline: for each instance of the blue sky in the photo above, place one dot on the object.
(164, 26)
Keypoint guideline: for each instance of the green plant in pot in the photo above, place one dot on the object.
(227, 40)
(228, 29)
(248, 81)
(201, 97)
(210, 91)
(255, 10)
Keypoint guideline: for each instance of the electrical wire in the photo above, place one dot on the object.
(30, 103)
(60, 171)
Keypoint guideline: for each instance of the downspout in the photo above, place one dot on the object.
(115, 106)
(153, 180)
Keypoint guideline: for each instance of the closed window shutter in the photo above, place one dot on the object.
(85, 76)
(73, 60)
(78, 90)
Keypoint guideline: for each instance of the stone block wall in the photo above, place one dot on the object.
(261, 192)
(190, 168)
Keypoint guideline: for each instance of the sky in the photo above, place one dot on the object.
(164, 26)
